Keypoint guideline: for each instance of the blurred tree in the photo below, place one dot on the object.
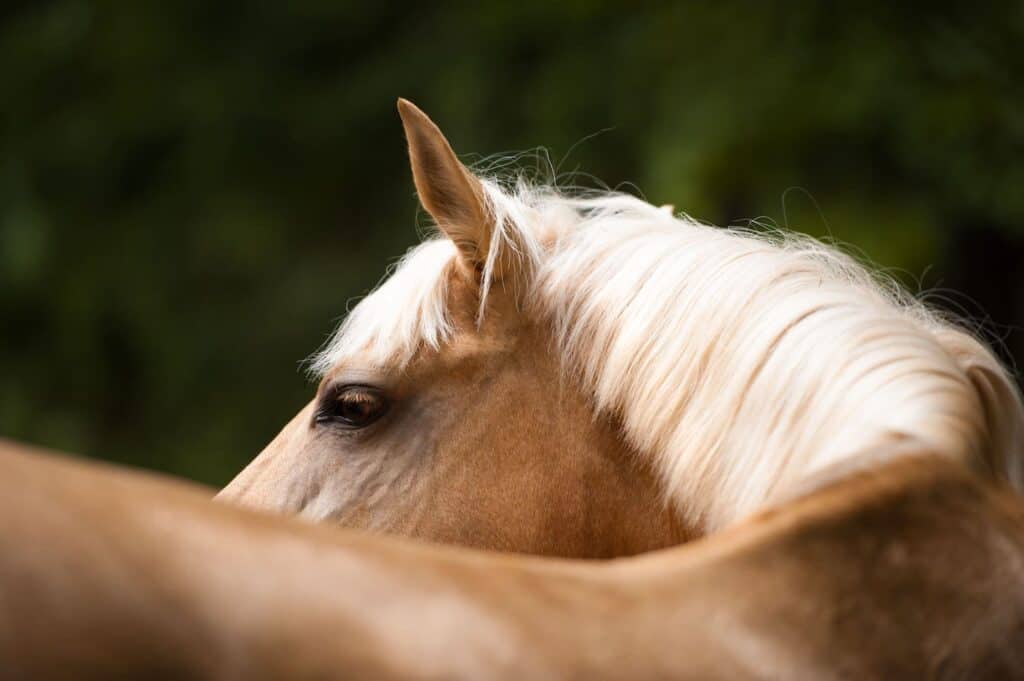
(191, 192)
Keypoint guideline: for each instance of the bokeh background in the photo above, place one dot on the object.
(192, 192)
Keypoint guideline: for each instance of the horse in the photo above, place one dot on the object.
(590, 375)
(582, 377)
(910, 569)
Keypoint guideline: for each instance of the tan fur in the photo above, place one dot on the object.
(447, 190)
(484, 447)
(593, 377)
(901, 563)
(911, 570)
(486, 444)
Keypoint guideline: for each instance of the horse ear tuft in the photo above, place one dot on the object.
(447, 189)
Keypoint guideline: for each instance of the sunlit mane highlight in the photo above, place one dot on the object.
(406, 311)
(741, 363)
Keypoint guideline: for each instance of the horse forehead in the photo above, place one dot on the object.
(359, 368)
(482, 342)
(465, 345)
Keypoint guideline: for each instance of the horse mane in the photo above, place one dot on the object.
(741, 362)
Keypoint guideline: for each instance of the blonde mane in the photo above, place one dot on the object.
(741, 363)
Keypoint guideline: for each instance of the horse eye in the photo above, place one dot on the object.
(353, 407)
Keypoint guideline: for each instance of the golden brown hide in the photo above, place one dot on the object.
(487, 442)
(913, 570)
(593, 378)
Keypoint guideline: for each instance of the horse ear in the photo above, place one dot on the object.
(447, 189)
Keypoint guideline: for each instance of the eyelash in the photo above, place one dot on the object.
(352, 407)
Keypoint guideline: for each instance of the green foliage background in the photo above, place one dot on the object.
(191, 192)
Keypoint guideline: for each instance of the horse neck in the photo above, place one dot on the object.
(592, 494)
(627, 510)
(737, 393)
